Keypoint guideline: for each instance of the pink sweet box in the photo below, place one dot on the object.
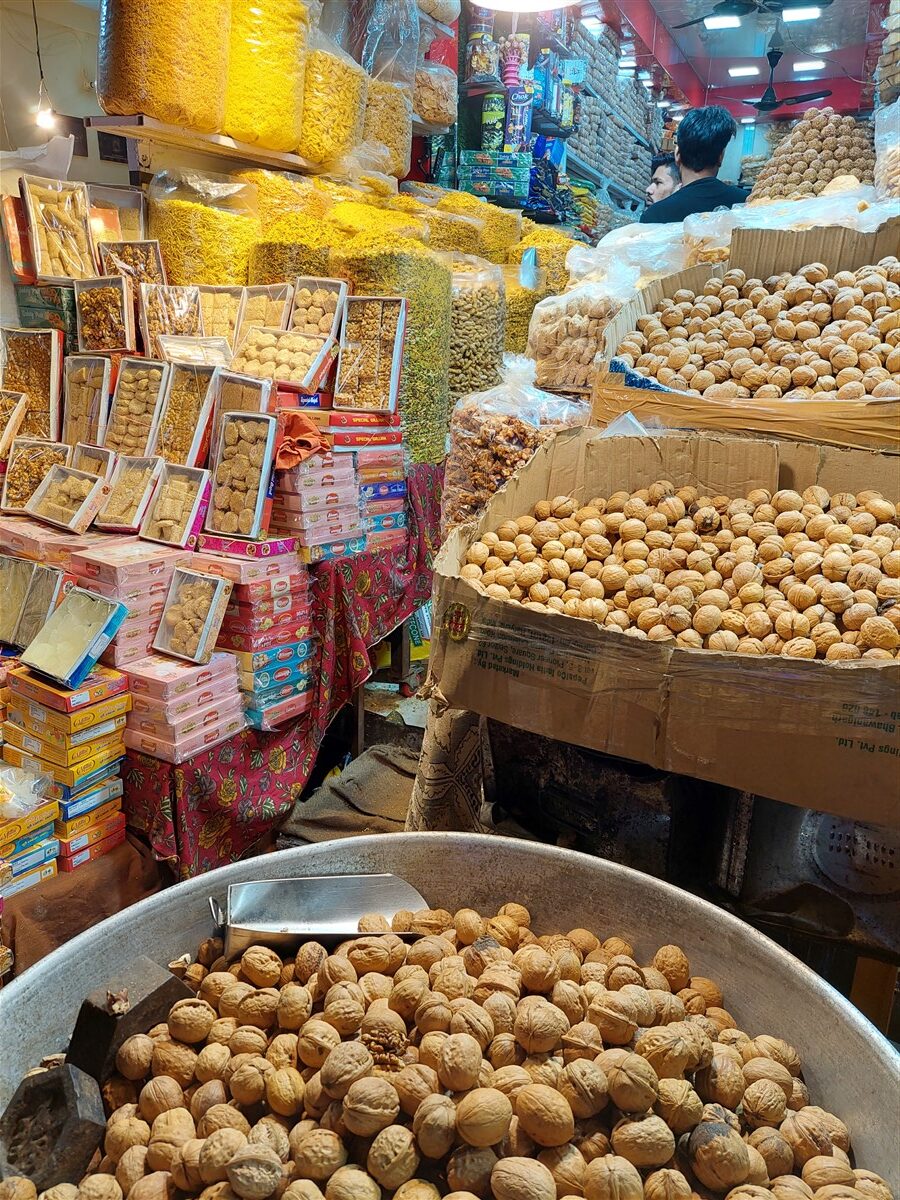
(169, 712)
(249, 621)
(247, 570)
(188, 723)
(127, 563)
(251, 643)
(316, 498)
(238, 548)
(269, 607)
(166, 678)
(184, 748)
(30, 539)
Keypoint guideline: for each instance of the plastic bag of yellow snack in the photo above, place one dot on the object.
(205, 225)
(266, 71)
(334, 102)
(389, 55)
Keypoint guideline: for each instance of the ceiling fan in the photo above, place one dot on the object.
(747, 8)
(768, 101)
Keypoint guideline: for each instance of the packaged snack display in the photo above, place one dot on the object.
(551, 248)
(289, 358)
(195, 606)
(166, 59)
(478, 331)
(104, 311)
(13, 407)
(435, 95)
(232, 392)
(74, 637)
(502, 226)
(388, 122)
(32, 361)
(241, 470)
(68, 498)
(205, 224)
(85, 392)
(264, 307)
(177, 511)
(524, 287)
(266, 70)
(30, 459)
(318, 305)
(247, 570)
(132, 488)
(566, 334)
(494, 433)
(195, 351)
(136, 404)
(450, 231)
(183, 430)
(15, 580)
(398, 266)
(334, 102)
(369, 365)
(128, 203)
(219, 309)
(389, 56)
(887, 149)
(94, 459)
(58, 226)
(295, 244)
(166, 309)
(139, 261)
(280, 192)
(44, 593)
(822, 146)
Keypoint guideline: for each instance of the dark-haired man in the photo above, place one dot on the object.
(665, 179)
(700, 145)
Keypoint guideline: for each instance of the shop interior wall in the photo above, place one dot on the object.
(68, 33)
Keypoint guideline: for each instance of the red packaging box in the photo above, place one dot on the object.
(251, 622)
(251, 643)
(193, 721)
(243, 571)
(195, 743)
(132, 563)
(211, 543)
(266, 608)
(342, 419)
(74, 861)
(94, 833)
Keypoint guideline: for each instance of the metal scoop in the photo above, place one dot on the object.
(281, 913)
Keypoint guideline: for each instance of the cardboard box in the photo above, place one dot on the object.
(23, 717)
(68, 777)
(72, 795)
(166, 679)
(19, 827)
(34, 856)
(252, 642)
(38, 875)
(101, 812)
(860, 424)
(85, 804)
(73, 862)
(9, 850)
(821, 735)
(102, 684)
(63, 756)
(104, 828)
(183, 748)
(277, 656)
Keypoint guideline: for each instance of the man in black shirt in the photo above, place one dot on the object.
(701, 141)
(665, 179)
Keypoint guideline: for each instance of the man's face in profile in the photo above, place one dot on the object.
(661, 185)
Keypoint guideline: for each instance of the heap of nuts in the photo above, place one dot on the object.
(805, 576)
(102, 320)
(822, 146)
(477, 1060)
(478, 331)
(797, 336)
(566, 338)
(30, 460)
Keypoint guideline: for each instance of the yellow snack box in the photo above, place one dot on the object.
(57, 737)
(64, 756)
(11, 831)
(65, 830)
(68, 723)
(66, 776)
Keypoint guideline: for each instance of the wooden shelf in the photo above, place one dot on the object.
(158, 133)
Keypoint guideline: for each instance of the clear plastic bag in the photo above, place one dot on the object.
(266, 72)
(86, 391)
(205, 225)
(165, 58)
(552, 250)
(447, 231)
(502, 226)
(708, 236)
(334, 102)
(494, 433)
(58, 214)
(351, 217)
(389, 56)
(141, 261)
(279, 193)
(887, 150)
(435, 95)
(185, 415)
(654, 250)
(526, 286)
(21, 791)
(296, 244)
(478, 329)
(168, 309)
(566, 334)
(30, 459)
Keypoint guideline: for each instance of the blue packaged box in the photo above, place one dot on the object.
(87, 801)
(26, 841)
(270, 677)
(274, 695)
(65, 793)
(34, 856)
(85, 623)
(278, 656)
(386, 521)
(384, 491)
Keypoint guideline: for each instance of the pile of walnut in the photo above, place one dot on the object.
(794, 336)
(823, 146)
(811, 576)
(479, 1060)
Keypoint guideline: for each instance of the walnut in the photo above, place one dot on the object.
(678, 1104)
(776, 1153)
(718, 1156)
(824, 1170)
(643, 1141)
(666, 1185)
(392, 1157)
(460, 1062)
(351, 1183)
(134, 1056)
(612, 1178)
(216, 1153)
(763, 1103)
(96, 1187)
(168, 1134)
(539, 1027)
(254, 1172)
(584, 1087)
(318, 1155)
(483, 1116)
(158, 1096)
(544, 1115)
(190, 1020)
(345, 1064)
(667, 1050)
(522, 1179)
(633, 1084)
(121, 1136)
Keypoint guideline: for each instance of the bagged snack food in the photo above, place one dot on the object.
(168, 309)
(58, 215)
(289, 358)
(525, 287)
(389, 56)
(435, 95)
(653, 250)
(478, 329)
(86, 391)
(502, 226)
(450, 231)
(237, 393)
(279, 193)
(351, 217)
(565, 337)
(552, 248)
(295, 245)
(104, 312)
(205, 225)
(334, 102)
(165, 58)
(127, 205)
(887, 149)
(708, 236)
(401, 267)
(493, 433)
(266, 70)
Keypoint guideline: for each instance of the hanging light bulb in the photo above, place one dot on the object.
(45, 118)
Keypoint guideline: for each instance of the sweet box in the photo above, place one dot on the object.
(276, 656)
(273, 716)
(132, 562)
(249, 570)
(166, 679)
(177, 728)
(75, 635)
(99, 802)
(195, 607)
(101, 684)
(194, 743)
(102, 828)
(67, 777)
(97, 850)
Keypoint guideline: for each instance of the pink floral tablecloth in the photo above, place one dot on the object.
(211, 809)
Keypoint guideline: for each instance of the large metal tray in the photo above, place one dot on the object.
(850, 1068)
